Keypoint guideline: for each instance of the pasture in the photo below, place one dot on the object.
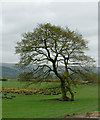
(38, 105)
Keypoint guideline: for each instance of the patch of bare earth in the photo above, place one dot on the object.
(84, 115)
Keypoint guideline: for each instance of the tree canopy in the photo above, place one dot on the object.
(49, 45)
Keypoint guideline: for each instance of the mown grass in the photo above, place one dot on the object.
(17, 84)
(38, 106)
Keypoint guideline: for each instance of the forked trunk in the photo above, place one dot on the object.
(72, 94)
(64, 97)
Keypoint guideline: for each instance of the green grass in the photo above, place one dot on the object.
(37, 106)
(17, 84)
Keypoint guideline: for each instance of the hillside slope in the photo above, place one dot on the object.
(9, 70)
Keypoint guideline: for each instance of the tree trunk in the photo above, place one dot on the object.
(72, 94)
(64, 97)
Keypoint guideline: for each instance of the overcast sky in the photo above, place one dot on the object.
(18, 18)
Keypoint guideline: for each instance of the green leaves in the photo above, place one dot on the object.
(50, 44)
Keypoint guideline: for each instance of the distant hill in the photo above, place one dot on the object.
(9, 70)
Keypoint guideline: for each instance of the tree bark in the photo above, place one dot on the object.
(64, 97)
(72, 94)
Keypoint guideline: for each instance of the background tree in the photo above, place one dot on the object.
(25, 76)
(53, 45)
(85, 77)
(91, 77)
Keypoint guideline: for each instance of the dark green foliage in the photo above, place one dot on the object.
(91, 77)
(25, 76)
(3, 79)
(85, 77)
(6, 96)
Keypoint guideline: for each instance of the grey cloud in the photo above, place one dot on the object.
(11, 58)
(19, 18)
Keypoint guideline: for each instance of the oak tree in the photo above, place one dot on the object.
(50, 47)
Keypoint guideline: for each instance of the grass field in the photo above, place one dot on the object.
(17, 84)
(37, 106)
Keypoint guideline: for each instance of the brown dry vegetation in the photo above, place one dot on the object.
(88, 114)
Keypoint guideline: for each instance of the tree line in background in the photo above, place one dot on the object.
(83, 78)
